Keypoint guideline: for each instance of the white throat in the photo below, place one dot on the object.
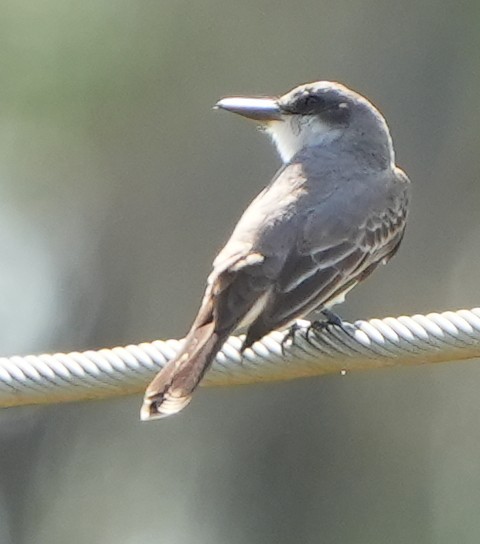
(295, 133)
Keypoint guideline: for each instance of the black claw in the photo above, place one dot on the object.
(316, 326)
(331, 320)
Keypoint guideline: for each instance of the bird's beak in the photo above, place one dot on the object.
(258, 109)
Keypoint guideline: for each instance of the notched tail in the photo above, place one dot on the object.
(171, 389)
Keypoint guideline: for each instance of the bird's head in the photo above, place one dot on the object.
(315, 114)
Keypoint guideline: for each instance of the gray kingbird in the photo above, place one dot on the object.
(334, 211)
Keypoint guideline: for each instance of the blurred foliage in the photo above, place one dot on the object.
(118, 184)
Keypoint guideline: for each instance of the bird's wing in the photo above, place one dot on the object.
(337, 250)
(247, 267)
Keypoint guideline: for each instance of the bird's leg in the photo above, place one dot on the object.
(331, 319)
(289, 336)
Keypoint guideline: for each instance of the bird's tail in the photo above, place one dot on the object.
(171, 389)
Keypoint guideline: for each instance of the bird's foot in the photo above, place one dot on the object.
(331, 320)
(289, 336)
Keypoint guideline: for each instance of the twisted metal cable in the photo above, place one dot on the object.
(377, 343)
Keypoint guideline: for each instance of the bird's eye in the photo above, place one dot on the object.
(312, 103)
(327, 107)
(305, 104)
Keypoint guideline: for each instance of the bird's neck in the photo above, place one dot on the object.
(363, 148)
(290, 139)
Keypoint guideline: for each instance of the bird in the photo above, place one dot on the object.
(335, 210)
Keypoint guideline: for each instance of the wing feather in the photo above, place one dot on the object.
(311, 281)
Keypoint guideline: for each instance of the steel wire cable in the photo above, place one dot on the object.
(376, 343)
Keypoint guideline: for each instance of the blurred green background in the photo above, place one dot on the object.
(118, 184)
